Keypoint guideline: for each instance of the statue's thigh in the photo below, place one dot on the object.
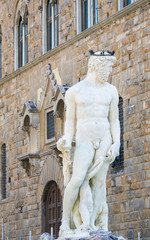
(83, 157)
(100, 178)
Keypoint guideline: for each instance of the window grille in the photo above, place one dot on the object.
(3, 171)
(119, 161)
(50, 125)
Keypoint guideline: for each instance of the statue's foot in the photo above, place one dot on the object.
(94, 228)
(84, 228)
(65, 233)
(65, 229)
(104, 227)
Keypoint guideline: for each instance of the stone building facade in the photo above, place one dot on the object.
(32, 97)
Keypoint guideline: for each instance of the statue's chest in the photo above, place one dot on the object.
(93, 96)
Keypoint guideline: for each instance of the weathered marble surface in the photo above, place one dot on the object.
(93, 235)
(92, 117)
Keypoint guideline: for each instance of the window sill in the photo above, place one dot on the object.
(2, 200)
(27, 156)
(50, 141)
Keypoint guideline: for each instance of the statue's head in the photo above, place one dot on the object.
(101, 65)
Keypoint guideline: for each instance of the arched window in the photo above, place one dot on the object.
(21, 40)
(52, 24)
(52, 208)
(119, 161)
(87, 14)
(26, 39)
(49, 25)
(59, 118)
(0, 53)
(20, 43)
(56, 23)
(3, 171)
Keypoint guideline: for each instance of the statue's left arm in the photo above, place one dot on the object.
(113, 152)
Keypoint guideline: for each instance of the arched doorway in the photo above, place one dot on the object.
(53, 208)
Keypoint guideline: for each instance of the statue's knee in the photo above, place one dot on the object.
(76, 182)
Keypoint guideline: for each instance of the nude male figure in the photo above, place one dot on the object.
(92, 117)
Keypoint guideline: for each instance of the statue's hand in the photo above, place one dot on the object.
(63, 145)
(113, 152)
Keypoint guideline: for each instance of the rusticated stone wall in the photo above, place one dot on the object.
(68, 21)
(128, 191)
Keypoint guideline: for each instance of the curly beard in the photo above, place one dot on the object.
(102, 77)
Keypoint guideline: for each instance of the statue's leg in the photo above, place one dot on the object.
(75, 213)
(83, 157)
(85, 205)
(102, 218)
(98, 185)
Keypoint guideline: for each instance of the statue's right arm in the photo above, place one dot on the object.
(70, 117)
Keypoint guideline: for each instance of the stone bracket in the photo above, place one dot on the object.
(31, 163)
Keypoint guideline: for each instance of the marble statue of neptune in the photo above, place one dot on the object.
(92, 118)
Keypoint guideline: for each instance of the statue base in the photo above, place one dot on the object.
(100, 234)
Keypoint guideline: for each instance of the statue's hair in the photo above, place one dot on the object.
(99, 62)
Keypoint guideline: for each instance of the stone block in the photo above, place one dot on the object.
(116, 208)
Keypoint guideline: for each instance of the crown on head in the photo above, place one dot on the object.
(102, 53)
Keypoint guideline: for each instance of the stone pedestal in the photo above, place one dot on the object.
(93, 235)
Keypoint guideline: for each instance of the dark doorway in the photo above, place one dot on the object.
(53, 206)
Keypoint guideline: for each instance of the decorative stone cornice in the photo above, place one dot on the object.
(48, 152)
(30, 106)
(27, 156)
(21, 11)
(58, 89)
(127, 10)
